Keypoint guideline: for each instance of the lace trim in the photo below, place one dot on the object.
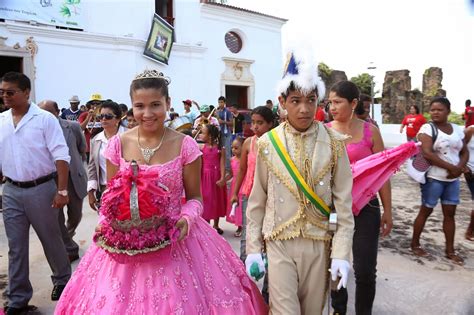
(102, 242)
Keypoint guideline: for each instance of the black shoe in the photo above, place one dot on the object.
(19, 311)
(73, 257)
(57, 291)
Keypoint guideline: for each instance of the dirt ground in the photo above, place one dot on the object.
(405, 284)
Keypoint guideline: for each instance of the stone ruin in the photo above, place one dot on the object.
(397, 95)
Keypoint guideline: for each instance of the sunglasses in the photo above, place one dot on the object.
(8, 93)
(106, 116)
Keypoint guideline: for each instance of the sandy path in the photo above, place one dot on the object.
(406, 284)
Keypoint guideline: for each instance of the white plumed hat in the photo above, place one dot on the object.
(301, 69)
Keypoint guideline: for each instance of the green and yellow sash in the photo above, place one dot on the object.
(296, 175)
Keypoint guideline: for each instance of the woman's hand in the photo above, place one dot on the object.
(454, 171)
(386, 223)
(182, 226)
(92, 200)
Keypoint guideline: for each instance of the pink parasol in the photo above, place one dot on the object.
(370, 173)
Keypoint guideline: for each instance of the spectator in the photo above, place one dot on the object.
(124, 110)
(191, 114)
(77, 183)
(73, 112)
(226, 124)
(468, 114)
(469, 175)
(363, 109)
(30, 195)
(320, 113)
(238, 120)
(131, 122)
(448, 157)
(88, 120)
(413, 122)
(110, 115)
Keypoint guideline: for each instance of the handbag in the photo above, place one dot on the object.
(418, 166)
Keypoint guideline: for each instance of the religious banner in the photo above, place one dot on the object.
(65, 13)
(160, 40)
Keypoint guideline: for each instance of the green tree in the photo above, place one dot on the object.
(363, 82)
(324, 71)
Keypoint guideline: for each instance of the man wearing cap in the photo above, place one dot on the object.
(88, 121)
(189, 112)
(204, 119)
(73, 112)
(33, 153)
(226, 124)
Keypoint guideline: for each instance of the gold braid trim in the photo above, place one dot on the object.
(263, 145)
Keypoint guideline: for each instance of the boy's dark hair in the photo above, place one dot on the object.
(468, 102)
(292, 88)
(221, 98)
(123, 108)
(442, 100)
(265, 112)
(130, 112)
(20, 79)
(235, 106)
(346, 89)
(159, 84)
(269, 102)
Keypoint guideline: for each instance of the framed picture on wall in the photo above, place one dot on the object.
(160, 40)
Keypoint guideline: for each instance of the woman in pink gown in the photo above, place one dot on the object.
(151, 254)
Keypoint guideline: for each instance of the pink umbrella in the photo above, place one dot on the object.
(370, 173)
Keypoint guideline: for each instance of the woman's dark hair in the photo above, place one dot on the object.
(417, 109)
(21, 80)
(442, 100)
(159, 84)
(130, 112)
(360, 110)
(265, 112)
(114, 107)
(214, 134)
(346, 89)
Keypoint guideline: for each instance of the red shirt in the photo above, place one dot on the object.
(319, 114)
(413, 123)
(469, 116)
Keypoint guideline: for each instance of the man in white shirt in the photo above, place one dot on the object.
(33, 153)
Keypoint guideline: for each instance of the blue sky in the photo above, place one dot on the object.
(404, 34)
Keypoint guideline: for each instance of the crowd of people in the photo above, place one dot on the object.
(158, 179)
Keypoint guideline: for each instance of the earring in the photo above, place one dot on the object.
(352, 114)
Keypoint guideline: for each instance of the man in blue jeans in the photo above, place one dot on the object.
(224, 116)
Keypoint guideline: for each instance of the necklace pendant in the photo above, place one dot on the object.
(147, 154)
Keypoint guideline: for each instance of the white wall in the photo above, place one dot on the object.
(102, 60)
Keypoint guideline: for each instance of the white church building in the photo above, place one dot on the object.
(97, 46)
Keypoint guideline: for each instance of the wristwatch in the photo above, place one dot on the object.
(62, 192)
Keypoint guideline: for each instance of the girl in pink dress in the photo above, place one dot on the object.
(213, 184)
(152, 254)
(262, 121)
(235, 217)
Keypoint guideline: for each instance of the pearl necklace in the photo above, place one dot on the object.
(149, 152)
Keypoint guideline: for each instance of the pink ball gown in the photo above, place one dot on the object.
(136, 265)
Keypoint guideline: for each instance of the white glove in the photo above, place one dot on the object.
(340, 268)
(232, 211)
(254, 259)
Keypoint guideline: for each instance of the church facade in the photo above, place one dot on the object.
(217, 50)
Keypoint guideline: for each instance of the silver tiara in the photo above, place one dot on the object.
(152, 74)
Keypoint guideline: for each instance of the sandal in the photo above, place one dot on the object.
(219, 230)
(420, 252)
(469, 236)
(238, 233)
(455, 258)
